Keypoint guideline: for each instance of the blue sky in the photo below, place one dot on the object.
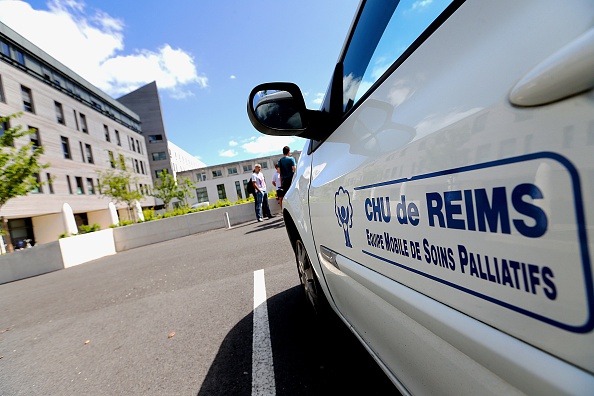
(206, 56)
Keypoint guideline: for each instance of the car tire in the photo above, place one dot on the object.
(307, 276)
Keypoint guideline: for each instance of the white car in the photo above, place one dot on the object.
(443, 202)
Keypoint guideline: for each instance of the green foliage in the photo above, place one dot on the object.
(63, 235)
(85, 229)
(122, 223)
(148, 214)
(186, 188)
(19, 166)
(168, 188)
(115, 184)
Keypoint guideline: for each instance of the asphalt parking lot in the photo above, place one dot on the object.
(175, 318)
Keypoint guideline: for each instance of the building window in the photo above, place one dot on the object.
(21, 231)
(27, 99)
(245, 184)
(89, 154)
(157, 173)
(66, 147)
(36, 142)
(217, 173)
(79, 185)
(238, 189)
(69, 184)
(201, 176)
(107, 137)
(83, 123)
(142, 167)
(3, 127)
(139, 146)
(38, 189)
(221, 191)
(247, 168)
(136, 165)
(152, 139)
(118, 141)
(2, 97)
(20, 57)
(232, 171)
(90, 186)
(159, 156)
(50, 184)
(202, 194)
(264, 165)
(111, 159)
(59, 113)
(5, 49)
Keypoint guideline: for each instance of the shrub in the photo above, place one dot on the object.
(85, 229)
(149, 214)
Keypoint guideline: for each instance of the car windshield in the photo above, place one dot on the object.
(382, 35)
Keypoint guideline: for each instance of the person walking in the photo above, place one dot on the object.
(276, 182)
(261, 197)
(287, 168)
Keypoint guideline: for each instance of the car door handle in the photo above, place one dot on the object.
(567, 72)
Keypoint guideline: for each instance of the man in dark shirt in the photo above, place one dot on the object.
(287, 170)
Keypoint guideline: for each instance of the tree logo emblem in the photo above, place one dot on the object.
(344, 213)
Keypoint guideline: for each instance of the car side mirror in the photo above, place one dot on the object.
(278, 109)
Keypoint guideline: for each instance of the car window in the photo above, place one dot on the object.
(382, 35)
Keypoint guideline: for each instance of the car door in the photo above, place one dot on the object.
(454, 223)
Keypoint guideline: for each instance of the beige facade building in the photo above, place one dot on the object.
(229, 181)
(82, 130)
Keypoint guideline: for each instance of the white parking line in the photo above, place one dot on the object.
(262, 366)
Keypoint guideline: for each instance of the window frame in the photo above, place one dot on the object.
(333, 102)
(29, 106)
(201, 192)
(66, 147)
(59, 113)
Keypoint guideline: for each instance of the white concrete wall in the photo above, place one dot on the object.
(86, 247)
(75, 250)
(137, 235)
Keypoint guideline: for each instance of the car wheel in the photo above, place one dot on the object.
(308, 279)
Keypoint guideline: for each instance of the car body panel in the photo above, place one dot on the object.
(463, 224)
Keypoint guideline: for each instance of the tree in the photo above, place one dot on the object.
(166, 189)
(186, 188)
(116, 184)
(19, 166)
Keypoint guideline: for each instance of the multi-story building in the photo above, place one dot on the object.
(229, 181)
(162, 153)
(181, 160)
(82, 130)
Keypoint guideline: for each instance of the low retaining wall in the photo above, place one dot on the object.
(137, 235)
(80, 249)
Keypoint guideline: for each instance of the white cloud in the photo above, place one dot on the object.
(228, 153)
(421, 4)
(99, 42)
(317, 101)
(268, 145)
(232, 77)
(233, 143)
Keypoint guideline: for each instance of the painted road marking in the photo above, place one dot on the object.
(262, 365)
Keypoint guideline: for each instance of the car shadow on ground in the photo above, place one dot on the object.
(312, 355)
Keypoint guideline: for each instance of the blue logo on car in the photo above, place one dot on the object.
(344, 213)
